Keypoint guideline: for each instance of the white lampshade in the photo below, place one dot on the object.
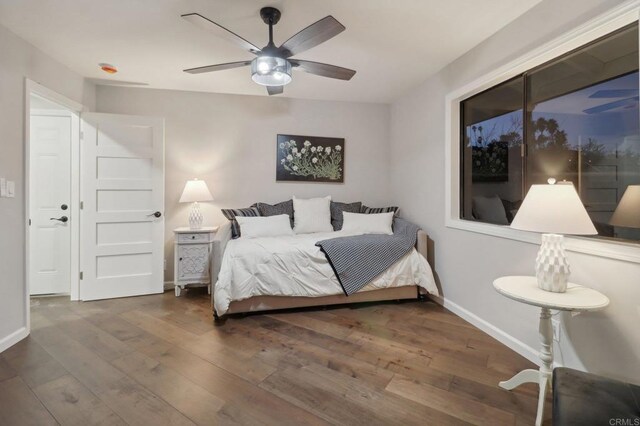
(553, 209)
(194, 191)
(627, 213)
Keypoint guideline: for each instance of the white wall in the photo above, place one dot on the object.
(230, 142)
(466, 263)
(20, 60)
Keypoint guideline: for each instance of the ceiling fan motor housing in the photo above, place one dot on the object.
(271, 67)
(270, 15)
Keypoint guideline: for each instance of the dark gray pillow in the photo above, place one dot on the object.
(489, 209)
(231, 215)
(285, 207)
(372, 210)
(338, 208)
(511, 208)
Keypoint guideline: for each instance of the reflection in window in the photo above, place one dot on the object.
(492, 178)
(581, 123)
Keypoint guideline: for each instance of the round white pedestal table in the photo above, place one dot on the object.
(525, 290)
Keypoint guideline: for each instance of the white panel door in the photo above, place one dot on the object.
(122, 223)
(49, 198)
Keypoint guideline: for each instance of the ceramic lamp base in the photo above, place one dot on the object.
(195, 217)
(552, 265)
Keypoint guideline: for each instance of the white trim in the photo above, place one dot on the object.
(13, 338)
(51, 112)
(602, 25)
(50, 95)
(75, 109)
(506, 339)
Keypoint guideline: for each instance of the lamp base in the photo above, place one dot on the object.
(552, 265)
(195, 217)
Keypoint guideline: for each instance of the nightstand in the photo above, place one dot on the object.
(576, 299)
(193, 248)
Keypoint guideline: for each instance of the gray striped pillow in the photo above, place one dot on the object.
(370, 210)
(231, 215)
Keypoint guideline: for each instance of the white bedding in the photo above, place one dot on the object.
(294, 266)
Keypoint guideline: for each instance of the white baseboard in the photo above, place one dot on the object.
(13, 338)
(506, 339)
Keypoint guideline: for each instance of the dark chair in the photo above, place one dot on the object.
(586, 399)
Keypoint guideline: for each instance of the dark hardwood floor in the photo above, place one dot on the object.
(157, 360)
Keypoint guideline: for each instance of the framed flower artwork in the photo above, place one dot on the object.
(491, 162)
(310, 159)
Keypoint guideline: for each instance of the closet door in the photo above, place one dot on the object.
(122, 221)
(49, 199)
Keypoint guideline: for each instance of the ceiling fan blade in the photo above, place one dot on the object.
(611, 105)
(615, 93)
(218, 67)
(325, 70)
(220, 31)
(275, 90)
(313, 35)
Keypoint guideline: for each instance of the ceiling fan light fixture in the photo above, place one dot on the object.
(271, 71)
(265, 64)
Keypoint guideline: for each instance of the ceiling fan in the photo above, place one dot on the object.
(272, 66)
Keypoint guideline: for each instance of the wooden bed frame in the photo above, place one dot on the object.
(269, 303)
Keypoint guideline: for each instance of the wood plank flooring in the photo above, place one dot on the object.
(157, 360)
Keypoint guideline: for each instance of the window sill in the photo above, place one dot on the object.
(619, 250)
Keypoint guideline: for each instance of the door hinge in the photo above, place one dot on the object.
(81, 135)
(81, 205)
(81, 275)
(29, 222)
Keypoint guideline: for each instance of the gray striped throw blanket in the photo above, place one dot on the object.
(359, 259)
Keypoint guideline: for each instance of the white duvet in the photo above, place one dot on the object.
(295, 266)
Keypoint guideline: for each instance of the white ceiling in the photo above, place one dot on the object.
(392, 44)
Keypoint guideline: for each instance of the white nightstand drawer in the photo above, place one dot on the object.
(194, 238)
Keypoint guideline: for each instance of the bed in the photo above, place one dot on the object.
(263, 274)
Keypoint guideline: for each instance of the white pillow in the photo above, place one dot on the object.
(372, 223)
(312, 215)
(264, 226)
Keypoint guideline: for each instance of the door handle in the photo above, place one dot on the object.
(156, 214)
(62, 219)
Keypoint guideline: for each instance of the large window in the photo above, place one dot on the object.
(575, 118)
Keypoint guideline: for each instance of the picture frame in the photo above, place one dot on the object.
(490, 163)
(309, 159)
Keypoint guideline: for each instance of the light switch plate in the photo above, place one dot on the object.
(11, 189)
(3, 187)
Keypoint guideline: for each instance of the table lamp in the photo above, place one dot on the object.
(195, 191)
(627, 214)
(554, 210)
